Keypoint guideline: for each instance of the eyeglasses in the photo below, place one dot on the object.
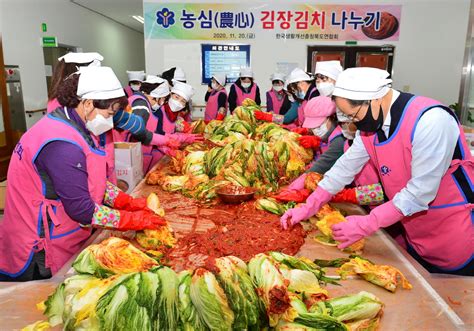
(353, 117)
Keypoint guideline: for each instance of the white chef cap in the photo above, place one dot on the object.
(220, 77)
(298, 75)
(362, 83)
(161, 91)
(182, 89)
(246, 72)
(136, 76)
(152, 79)
(277, 76)
(98, 83)
(179, 74)
(82, 58)
(330, 69)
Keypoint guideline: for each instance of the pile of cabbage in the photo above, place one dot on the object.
(244, 153)
(274, 290)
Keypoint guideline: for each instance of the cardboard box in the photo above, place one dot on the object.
(128, 165)
(469, 132)
(3, 194)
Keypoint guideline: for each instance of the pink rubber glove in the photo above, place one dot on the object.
(164, 140)
(298, 183)
(168, 151)
(358, 227)
(314, 202)
(187, 138)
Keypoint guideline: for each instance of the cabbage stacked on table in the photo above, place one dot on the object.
(274, 290)
(239, 152)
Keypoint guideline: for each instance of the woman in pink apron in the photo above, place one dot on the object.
(425, 166)
(57, 186)
(135, 79)
(276, 96)
(216, 99)
(244, 88)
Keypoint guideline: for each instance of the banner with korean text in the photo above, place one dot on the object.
(247, 21)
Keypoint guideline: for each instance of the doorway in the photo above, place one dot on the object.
(51, 55)
(353, 56)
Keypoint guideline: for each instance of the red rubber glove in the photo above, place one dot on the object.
(310, 141)
(262, 116)
(293, 195)
(346, 195)
(187, 128)
(139, 220)
(220, 117)
(302, 131)
(123, 201)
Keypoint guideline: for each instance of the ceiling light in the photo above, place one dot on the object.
(139, 18)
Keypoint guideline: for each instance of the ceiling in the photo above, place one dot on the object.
(120, 11)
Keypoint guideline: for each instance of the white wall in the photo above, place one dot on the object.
(428, 55)
(21, 20)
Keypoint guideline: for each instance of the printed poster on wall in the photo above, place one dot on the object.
(248, 21)
(228, 59)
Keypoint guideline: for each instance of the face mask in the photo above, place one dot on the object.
(369, 123)
(175, 105)
(156, 106)
(135, 87)
(100, 124)
(246, 85)
(341, 117)
(301, 95)
(321, 131)
(290, 97)
(325, 88)
(214, 86)
(277, 88)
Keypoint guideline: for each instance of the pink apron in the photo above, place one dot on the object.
(152, 154)
(368, 175)
(106, 143)
(52, 105)
(212, 106)
(444, 234)
(241, 96)
(27, 209)
(128, 91)
(275, 101)
(301, 108)
(324, 146)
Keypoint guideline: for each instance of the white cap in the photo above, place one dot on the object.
(161, 91)
(183, 89)
(82, 58)
(330, 69)
(179, 74)
(152, 79)
(246, 72)
(220, 77)
(136, 76)
(98, 83)
(298, 75)
(277, 76)
(362, 83)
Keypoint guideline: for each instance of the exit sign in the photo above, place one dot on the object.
(50, 42)
(351, 42)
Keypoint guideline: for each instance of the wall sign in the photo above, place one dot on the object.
(228, 59)
(247, 21)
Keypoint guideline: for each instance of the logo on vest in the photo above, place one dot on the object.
(18, 150)
(384, 170)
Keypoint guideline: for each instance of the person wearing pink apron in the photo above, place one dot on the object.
(425, 166)
(243, 88)
(52, 201)
(135, 79)
(276, 95)
(216, 99)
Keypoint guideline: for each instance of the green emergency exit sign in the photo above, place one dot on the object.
(351, 42)
(44, 27)
(50, 42)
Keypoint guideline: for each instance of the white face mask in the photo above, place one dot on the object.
(321, 131)
(325, 88)
(156, 106)
(277, 88)
(100, 124)
(290, 97)
(246, 85)
(214, 85)
(135, 87)
(175, 105)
